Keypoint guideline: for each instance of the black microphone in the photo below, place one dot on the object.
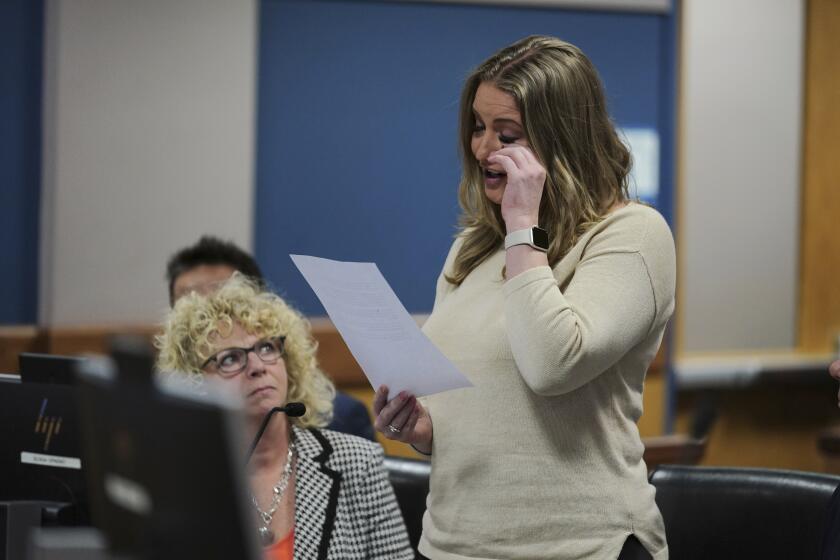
(292, 409)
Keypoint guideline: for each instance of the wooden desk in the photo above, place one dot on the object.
(676, 449)
(17, 339)
(828, 443)
(336, 360)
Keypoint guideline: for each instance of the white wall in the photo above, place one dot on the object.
(149, 109)
(740, 144)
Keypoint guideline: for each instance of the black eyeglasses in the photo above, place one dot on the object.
(231, 361)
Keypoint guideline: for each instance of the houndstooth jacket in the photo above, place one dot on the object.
(345, 508)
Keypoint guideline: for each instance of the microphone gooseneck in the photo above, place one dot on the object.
(292, 409)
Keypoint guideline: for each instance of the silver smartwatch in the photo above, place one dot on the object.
(534, 236)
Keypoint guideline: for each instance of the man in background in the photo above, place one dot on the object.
(202, 267)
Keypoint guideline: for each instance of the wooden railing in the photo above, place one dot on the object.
(335, 359)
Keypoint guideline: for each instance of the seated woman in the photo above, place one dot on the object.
(318, 493)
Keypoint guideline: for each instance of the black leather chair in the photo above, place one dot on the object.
(410, 479)
(722, 513)
(831, 535)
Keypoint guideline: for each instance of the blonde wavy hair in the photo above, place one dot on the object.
(564, 114)
(196, 320)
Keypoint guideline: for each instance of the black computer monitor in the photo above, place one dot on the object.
(40, 455)
(48, 368)
(166, 468)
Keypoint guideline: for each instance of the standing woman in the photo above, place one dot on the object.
(553, 301)
(318, 493)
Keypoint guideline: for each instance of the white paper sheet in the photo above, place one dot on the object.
(380, 333)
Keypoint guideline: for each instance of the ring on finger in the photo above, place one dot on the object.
(394, 429)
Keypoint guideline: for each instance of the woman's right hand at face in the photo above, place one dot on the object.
(403, 419)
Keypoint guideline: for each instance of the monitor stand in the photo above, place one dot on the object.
(19, 518)
(68, 543)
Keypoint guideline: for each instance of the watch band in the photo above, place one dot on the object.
(534, 236)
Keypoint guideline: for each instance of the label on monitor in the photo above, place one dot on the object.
(45, 460)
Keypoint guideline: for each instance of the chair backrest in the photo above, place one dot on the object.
(410, 479)
(831, 535)
(721, 513)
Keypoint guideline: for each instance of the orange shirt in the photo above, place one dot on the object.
(284, 549)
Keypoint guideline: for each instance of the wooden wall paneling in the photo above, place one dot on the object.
(655, 396)
(17, 339)
(780, 426)
(765, 427)
(829, 446)
(334, 358)
(71, 341)
(819, 309)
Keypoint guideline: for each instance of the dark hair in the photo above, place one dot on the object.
(211, 251)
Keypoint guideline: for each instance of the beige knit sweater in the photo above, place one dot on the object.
(542, 459)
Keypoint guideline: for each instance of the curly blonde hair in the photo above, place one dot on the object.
(197, 319)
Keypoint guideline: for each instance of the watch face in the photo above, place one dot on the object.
(540, 237)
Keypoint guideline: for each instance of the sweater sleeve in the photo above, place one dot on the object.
(562, 340)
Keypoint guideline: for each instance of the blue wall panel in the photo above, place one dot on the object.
(21, 37)
(357, 149)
